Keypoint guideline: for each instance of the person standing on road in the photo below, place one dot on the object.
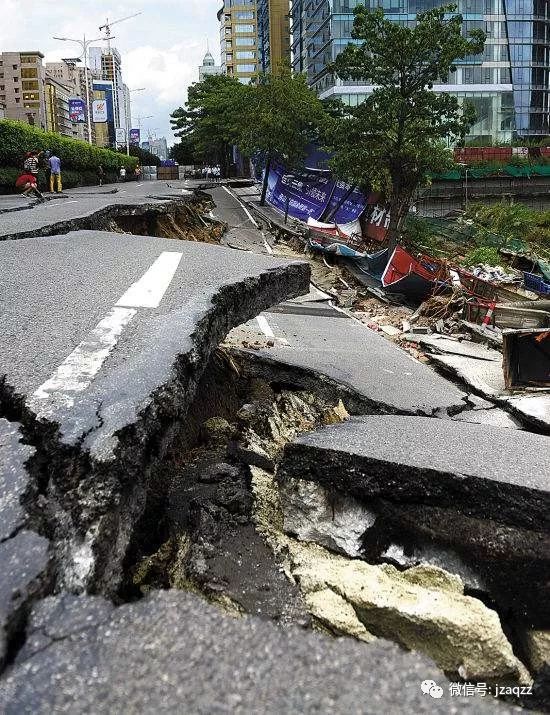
(46, 165)
(100, 174)
(55, 177)
(122, 174)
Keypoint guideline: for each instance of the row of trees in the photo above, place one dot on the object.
(390, 142)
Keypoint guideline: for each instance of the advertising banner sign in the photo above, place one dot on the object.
(135, 136)
(99, 111)
(77, 110)
(314, 194)
(120, 135)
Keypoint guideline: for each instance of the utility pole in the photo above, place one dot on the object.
(139, 89)
(84, 44)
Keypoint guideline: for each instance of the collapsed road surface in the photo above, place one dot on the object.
(105, 346)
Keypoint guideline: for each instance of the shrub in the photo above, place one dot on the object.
(483, 254)
(17, 138)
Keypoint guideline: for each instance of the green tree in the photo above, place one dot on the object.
(183, 151)
(281, 116)
(400, 132)
(210, 119)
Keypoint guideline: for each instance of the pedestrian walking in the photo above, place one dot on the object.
(122, 174)
(55, 176)
(27, 185)
(100, 174)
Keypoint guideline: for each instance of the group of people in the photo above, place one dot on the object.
(27, 183)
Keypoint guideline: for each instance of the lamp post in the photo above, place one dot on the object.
(466, 170)
(128, 109)
(84, 44)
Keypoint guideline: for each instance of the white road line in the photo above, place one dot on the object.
(247, 212)
(151, 287)
(265, 327)
(76, 373)
(267, 246)
(70, 202)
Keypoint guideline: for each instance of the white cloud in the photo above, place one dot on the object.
(161, 48)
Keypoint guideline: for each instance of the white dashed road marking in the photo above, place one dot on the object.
(247, 212)
(77, 371)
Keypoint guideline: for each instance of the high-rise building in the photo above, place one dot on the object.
(209, 67)
(508, 83)
(106, 66)
(239, 39)
(159, 147)
(273, 34)
(72, 76)
(22, 87)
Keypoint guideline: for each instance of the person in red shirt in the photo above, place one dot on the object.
(26, 184)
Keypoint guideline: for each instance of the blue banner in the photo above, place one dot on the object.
(135, 135)
(77, 110)
(313, 194)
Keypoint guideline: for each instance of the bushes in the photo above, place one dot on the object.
(17, 138)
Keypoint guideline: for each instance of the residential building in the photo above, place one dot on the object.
(209, 67)
(239, 39)
(273, 34)
(508, 83)
(22, 87)
(73, 76)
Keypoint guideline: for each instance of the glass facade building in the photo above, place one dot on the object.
(508, 83)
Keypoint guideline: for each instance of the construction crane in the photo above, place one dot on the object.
(107, 27)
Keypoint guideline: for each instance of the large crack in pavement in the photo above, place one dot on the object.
(182, 468)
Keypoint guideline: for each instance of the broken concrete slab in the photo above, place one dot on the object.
(422, 608)
(14, 479)
(57, 618)
(534, 408)
(485, 471)
(158, 654)
(484, 376)
(335, 521)
(487, 378)
(450, 346)
(112, 429)
(26, 571)
(347, 352)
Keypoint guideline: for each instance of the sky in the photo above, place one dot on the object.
(161, 49)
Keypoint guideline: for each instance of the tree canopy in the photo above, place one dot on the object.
(281, 117)
(402, 130)
(211, 117)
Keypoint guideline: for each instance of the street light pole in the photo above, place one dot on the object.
(127, 112)
(84, 44)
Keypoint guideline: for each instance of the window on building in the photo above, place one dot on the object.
(245, 41)
(244, 29)
(246, 55)
(246, 68)
(244, 15)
